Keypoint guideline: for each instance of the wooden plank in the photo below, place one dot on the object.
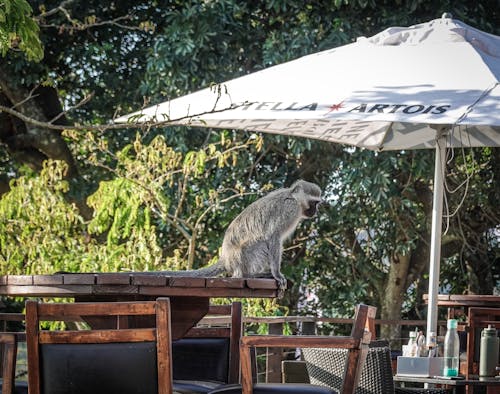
(45, 291)
(480, 299)
(62, 310)
(47, 279)
(261, 283)
(186, 281)
(115, 289)
(148, 280)
(99, 336)
(119, 278)
(341, 342)
(6, 316)
(3, 280)
(226, 282)
(79, 279)
(206, 292)
(20, 280)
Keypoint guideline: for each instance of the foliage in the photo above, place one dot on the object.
(18, 30)
(163, 198)
(39, 231)
(42, 233)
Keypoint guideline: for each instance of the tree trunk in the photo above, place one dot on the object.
(394, 294)
(32, 145)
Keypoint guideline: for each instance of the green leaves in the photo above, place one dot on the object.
(18, 30)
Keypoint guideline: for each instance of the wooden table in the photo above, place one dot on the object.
(189, 297)
(492, 384)
(459, 301)
(458, 307)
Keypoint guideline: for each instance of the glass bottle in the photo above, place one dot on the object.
(412, 344)
(451, 349)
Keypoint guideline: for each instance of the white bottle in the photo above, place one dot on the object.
(451, 349)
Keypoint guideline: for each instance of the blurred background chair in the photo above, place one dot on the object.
(208, 356)
(324, 367)
(89, 361)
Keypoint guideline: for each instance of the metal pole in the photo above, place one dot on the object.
(437, 214)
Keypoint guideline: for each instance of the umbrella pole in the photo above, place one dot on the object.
(437, 215)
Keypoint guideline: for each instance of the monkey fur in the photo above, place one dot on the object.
(253, 242)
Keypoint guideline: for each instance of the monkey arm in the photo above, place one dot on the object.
(275, 250)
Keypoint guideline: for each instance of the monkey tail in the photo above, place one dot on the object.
(211, 271)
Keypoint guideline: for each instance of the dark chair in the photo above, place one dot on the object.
(9, 344)
(111, 361)
(356, 346)
(324, 367)
(208, 356)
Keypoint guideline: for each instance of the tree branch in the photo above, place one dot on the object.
(110, 126)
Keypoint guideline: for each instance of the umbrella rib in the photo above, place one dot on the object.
(469, 109)
(381, 146)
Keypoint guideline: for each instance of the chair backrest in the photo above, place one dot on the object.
(89, 361)
(211, 353)
(478, 318)
(325, 368)
(356, 346)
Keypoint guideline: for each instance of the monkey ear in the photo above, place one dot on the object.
(296, 186)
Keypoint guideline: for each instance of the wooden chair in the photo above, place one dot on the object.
(9, 343)
(356, 345)
(123, 361)
(9, 347)
(208, 356)
(478, 318)
(324, 367)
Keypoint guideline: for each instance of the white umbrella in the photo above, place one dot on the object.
(432, 85)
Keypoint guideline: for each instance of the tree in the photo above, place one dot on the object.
(371, 244)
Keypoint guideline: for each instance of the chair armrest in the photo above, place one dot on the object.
(343, 342)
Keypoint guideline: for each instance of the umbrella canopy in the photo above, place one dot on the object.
(432, 85)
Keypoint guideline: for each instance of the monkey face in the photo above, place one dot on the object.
(312, 208)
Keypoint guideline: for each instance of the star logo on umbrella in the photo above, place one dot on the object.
(335, 107)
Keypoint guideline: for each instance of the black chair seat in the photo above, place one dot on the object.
(277, 388)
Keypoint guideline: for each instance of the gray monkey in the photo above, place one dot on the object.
(253, 242)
